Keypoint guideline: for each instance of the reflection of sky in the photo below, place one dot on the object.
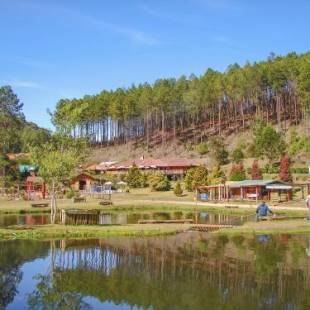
(42, 266)
(96, 304)
(28, 284)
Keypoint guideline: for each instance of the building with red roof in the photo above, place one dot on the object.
(173, 168)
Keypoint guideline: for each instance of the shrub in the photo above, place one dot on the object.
(202, 148)
(217, 176)
(237, 155)
(159, 182)
(301, 170)
(266, 141)
(70, 193)
(188, 180)
(271, 169)
(135, 178)
(178, 191)
(237, 172)
(219, 151)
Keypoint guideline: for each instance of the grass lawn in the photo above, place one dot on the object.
(145, 200)
(301, 226)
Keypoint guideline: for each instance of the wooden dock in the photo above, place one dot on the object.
(79, 217)
(208, 227)
(185, 221)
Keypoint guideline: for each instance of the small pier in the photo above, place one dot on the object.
(208, 227)
(184, 221)
(79, 217)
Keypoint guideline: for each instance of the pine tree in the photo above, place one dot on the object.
(135, 177)
(178, 191)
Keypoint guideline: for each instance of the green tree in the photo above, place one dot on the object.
(237, 172)
(159, 182)
(178, 191)
(135, 178)
(267, 142)
(57, 161)
(218, 151)
(195, 177)
(237, 155)
(11, 120)
(217, 176)
(32, 135)
(203, 148)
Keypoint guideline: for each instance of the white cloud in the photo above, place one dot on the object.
(133, 34)
(22, 84)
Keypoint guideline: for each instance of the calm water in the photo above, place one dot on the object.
(187, 271)
(127, 218)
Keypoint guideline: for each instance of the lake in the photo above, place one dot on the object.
(106, 218)
(186, 271)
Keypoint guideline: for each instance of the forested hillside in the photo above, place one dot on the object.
(190, 109)
(16, 134)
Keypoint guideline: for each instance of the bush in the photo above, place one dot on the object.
(237, 173)
(135, 178)
(178, 191)
(217, 175)
(159, 182)
(72, 193)
(300, 170)
(219, 151)
(237, 155)
(271, 169)
(266, 141)
(203, 148)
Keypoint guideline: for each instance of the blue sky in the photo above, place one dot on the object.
(53, 49)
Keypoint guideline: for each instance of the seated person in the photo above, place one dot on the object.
(262, 210)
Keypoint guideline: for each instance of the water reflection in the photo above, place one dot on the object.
(123, 218)
(187, 271)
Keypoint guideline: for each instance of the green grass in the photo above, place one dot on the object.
(81, 231)
(140, 200)
(269, 227)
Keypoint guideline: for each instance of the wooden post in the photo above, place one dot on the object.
(269, 194)
(256, 192)
(241, 193)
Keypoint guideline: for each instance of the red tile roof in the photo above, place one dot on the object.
(148, 164)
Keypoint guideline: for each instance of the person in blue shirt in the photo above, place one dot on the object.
(262, 210)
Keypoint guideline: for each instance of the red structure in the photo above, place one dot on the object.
(35, 187)
(173, 168)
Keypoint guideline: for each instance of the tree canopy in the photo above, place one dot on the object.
(277, 90)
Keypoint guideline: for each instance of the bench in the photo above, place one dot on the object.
(39, 205)
(79, 199)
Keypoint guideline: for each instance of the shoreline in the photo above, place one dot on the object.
(59, 231)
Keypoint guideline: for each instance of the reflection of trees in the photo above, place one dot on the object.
(173, 273)
(12, 255)
(50, 296)
(9, 278)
